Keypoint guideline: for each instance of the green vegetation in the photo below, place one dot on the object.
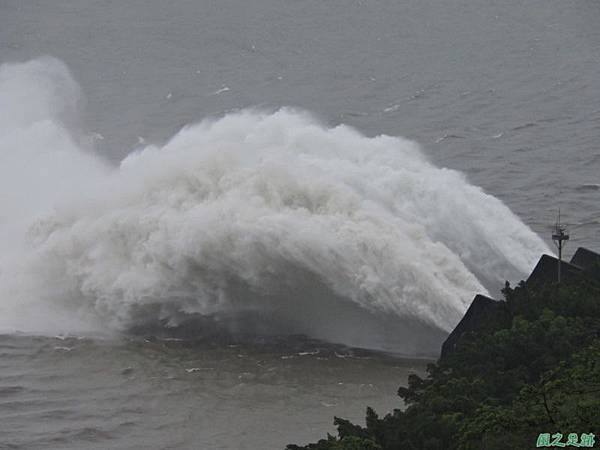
(532, 368)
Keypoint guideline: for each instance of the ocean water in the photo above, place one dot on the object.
(223, 223)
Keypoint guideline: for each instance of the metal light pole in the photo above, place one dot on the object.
(559, 236)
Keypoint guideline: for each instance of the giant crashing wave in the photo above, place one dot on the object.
(259, 222)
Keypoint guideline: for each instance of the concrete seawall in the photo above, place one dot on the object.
(584, 263)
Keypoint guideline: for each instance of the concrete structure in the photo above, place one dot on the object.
(546, 271)
(481, 308)
(584, 263)
(586, 259)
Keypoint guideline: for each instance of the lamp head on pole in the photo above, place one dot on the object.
(560, 233)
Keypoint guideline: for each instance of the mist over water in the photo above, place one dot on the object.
(266, 216)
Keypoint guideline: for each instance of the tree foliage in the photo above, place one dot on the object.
(531, 370)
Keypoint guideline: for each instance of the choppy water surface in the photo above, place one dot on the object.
(74, 393)
(349, 171)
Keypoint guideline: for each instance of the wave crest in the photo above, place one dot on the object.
(318, 230)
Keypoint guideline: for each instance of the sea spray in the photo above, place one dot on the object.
(257, 214)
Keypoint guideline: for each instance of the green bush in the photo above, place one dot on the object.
(533, 370)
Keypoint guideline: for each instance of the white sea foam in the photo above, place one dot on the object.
(271, 212)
